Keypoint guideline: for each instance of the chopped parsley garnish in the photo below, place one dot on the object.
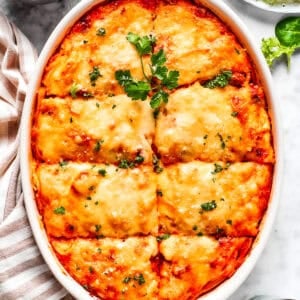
(229, 222)
(102, 172)
(158, 83)
(195, 227)
(97, 227)
(163, 237)
(60, 210)
(234, 114)
(221, 80)
(74, 89)
(94, 75)
(91, 269)
(199, 233)
(139, 159)
(88, 198)
(127, 279)
(156, 165)
(208, 206)
(97, 104)
(114, 106)
(125, 164)
(63, 163)
(138, 278)
(223, 145)
(98, 144)
(101, 31)
(85, 41)
(218, 169)
(99, 250)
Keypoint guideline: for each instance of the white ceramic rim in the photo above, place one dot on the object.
(279, 8)
(224, 290)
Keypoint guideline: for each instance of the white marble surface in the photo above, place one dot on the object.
(278, 270)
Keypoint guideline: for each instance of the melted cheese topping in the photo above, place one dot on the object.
(213, 199)
(144, 204)
(207, 124)
(196, 44)
(80, 52)
(98, 200)
(197, 264)
(112, 268)
(98, 131)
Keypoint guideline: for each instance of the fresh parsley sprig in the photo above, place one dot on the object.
(158, 82)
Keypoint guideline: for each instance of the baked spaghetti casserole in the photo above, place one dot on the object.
(152, 156)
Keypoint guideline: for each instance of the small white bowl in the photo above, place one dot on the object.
(279, 8)
(225, 289)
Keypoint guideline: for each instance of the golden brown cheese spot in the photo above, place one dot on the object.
(97, 200)
(202, 123)
(93, 130)
(194, 265)
(112, 268)
(80, 52)
(197, 46)
(213, 199)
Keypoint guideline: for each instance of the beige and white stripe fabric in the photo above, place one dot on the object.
(23, 273)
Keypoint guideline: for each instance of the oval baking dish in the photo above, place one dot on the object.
(134, 199)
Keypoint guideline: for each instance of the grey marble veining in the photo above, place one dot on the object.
(278, 269)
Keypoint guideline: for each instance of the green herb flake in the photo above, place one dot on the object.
(97, 227)
(98, 144)
(60, 210)
(127, 279)
(218, 169)
(94, 75)
(91, 269)
(229, 222)
(140, 279)
(101, 31)
(102, 172)
(208, 206)
(88, 198)
(85, 41)
(195, 227)
(199, 233)
(139, 159)
(221, 80)
(125, 164)
(234, 114)
(163, 237)
(114, 106)
(74, 89)
(99, 250)
(63, 163)
(223, 145)
(97, 104)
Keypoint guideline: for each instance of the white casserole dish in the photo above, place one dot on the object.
(224, 290)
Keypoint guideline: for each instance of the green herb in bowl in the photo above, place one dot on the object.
(285, 42)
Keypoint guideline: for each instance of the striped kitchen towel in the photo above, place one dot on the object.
(23, 272)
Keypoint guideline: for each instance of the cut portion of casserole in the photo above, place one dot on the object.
(227, 124)
(97, 47)
(213, 198)
(112, 268)
(108, 131)
(194, 265)
(85, 200)
(196, 43)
